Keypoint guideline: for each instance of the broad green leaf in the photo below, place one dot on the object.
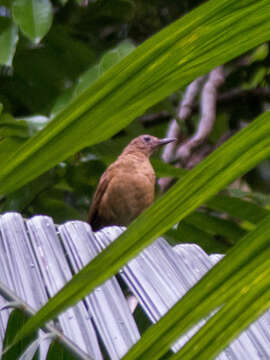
(34, 17)
(206, 37)
(235, 157)
(8, 40)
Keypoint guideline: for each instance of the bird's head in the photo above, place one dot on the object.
(146, 144)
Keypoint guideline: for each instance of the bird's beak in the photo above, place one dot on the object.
(165, 141)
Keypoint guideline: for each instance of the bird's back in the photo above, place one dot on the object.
(124, 191)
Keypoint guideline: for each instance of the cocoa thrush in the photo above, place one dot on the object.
(127, 187)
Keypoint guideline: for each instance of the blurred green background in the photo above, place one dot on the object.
(80, 41)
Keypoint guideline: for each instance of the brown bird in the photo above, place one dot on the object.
(127, 187)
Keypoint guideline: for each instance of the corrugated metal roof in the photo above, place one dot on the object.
(37, 258)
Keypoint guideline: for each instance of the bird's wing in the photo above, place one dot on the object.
(93, 217)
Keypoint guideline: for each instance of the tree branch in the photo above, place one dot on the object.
(184, 112)
(208, 117)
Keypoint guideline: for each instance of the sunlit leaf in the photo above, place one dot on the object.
(34, 17)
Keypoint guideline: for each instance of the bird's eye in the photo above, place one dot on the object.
(147, 139)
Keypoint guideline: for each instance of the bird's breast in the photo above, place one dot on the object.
(130, 192)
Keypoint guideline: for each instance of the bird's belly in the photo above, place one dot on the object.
(126, 199)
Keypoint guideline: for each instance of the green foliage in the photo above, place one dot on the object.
(76, 75)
